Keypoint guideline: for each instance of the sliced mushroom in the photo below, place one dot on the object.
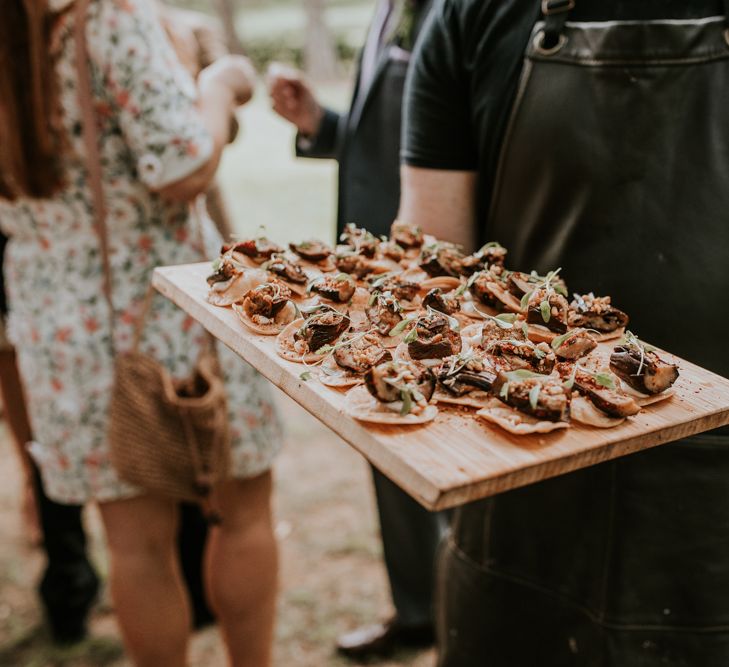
(543, 397)
(548, 308)
(358, 353)
(524, 354)
(322, 327)
(266, 300)
(406, 235)
(388, 382)
(441, 259)
(459, 377)
(358, 238)
(443, 302)
(574, 344)
(433, 338)
(312, 251)
(339, 288)
(384, 312)
(642, 369)
(597, 313)
(600, 390)
(286, 269)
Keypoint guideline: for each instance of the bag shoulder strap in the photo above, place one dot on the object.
(91, 143)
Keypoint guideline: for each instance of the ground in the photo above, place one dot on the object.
(332, 573)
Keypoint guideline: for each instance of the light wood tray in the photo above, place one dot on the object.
(457, 458)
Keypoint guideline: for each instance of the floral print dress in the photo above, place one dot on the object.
(150, 136)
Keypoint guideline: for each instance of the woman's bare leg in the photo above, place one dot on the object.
(242, 570)
(16, 416)
(145, 580)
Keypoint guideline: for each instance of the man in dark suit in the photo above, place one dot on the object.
(366, 143)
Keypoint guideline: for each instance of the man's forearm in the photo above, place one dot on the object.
(325, 144)
(442, 202)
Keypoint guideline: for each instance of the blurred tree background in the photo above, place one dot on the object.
(320, 36)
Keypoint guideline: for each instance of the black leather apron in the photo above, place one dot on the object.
(615, 166)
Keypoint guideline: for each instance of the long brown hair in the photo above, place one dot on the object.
(29, 138)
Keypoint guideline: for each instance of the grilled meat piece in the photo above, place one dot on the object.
(459, 377)
(578, 343)
(364, 352)
(352, 262)
(488, 288)
(266, 300)
(406, 235)
(596, 313)
(384, 312)
(259, 250)
(322, 327)
(402, 290)
(523, 354)
(312, 251)
(642, 369)
(392, 250)
(492, 254)
(441, 259)
(551, 402)
(362, 241)
(492, 331)
(553, 316)
(387, 381)
(434, 338)
(441, 301)
(339, 288)
(605, 398)
(226, 271)
(287, 269)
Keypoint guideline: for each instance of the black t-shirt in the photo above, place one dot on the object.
(465, 70)
(3, 302)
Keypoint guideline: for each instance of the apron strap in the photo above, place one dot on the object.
(555, 14)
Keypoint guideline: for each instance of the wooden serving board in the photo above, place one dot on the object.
(457, 458)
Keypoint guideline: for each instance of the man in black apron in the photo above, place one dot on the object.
(592, 136)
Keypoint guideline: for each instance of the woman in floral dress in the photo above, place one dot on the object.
(161, 137)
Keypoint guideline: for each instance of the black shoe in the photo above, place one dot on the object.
(382, 639)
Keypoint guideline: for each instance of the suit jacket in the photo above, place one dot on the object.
(366, 141)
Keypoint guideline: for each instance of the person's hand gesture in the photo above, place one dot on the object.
(234, 73)
(293, 100)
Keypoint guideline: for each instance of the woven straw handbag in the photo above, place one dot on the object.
(167, 437)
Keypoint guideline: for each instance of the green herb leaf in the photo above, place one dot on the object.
(407, 402)
(525, 300)
(605, 380)
(217, 264)
(504, 393)
(506, 317)
(534, 395)
(400, 326)
(305, 376)
(525, 329)
(545, 310)
(557, 342)
(371, 300)
(490, 244)
(524, 374)
(412, 336)
(324, 349)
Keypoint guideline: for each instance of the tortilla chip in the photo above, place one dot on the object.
(584, 411)
(271, 329)
(540, 334)
(516, 422)
(237, 287)
(446, 283)
(646, 399)
(612, 335)
(285, 345)
(361, 405)
(337, 377)
(473, 399)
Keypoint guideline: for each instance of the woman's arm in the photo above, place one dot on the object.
(223, 86)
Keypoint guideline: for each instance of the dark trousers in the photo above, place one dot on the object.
(410, 538)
